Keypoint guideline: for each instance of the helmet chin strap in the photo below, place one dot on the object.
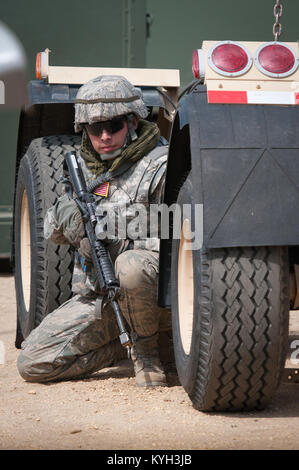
(111, 155)
(130, 137)
(131, 130)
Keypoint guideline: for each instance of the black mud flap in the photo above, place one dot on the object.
(245, 169)
(245, 173)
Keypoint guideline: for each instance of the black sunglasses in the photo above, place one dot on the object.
(114, 125)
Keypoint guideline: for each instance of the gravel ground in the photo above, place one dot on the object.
(107, 411)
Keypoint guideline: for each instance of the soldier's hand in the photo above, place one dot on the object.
(85, 250)
(63, 222)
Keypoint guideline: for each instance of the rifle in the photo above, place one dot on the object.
(100, 255)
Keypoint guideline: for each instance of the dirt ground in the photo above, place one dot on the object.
(107, 411)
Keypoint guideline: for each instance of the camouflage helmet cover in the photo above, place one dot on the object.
(105, 97)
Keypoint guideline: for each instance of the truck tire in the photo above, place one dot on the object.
(43, 270)
(230, 311)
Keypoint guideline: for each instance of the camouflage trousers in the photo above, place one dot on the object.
(77, 338)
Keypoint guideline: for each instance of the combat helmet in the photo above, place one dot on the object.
(105, 97)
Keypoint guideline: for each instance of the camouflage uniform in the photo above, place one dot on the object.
(77, 338)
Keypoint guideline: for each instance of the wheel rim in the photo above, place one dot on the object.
(25, 244)
(185, 287)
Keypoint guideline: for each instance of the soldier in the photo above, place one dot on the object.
(123, 159)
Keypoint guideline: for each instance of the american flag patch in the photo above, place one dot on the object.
(102, 190)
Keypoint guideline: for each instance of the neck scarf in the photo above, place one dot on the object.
(148, 137)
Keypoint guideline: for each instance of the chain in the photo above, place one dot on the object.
(277, 29)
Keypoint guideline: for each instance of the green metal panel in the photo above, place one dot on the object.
(113, 33)
(89, 33)
(134, 41)
(8, 131)
(179, 27)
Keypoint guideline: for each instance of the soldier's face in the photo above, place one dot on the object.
(107, 141)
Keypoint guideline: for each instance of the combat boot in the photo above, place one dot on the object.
(147, 366)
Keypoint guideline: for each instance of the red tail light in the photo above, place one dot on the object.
(38, 66)
(198, 63)
(276, 60)
(229, 58)
(42, 64)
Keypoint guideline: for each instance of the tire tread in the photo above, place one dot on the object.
(53, 263)
(246, 339)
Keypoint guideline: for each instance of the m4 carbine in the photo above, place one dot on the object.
(100, 255)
